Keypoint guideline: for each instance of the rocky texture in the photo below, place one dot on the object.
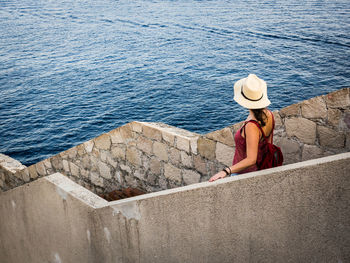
(301, 128)
(155, 156)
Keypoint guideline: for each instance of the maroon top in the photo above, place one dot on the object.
(240, 152)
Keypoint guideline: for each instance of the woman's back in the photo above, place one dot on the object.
(240, 141)
(267, 128)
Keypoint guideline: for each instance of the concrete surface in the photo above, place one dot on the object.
(294, 213)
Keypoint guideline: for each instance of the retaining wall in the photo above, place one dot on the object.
(155, 156)
(294, 213)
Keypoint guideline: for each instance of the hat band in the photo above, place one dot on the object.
(249, 98)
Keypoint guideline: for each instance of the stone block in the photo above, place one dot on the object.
(121, 135)
(278, 120)
(172, 173)
(56, 163)
(80, 149)
(287, 145)
(206, 148)
(190, 177)
(168, 137)
(186, 160)
(301, 128)
(72, 152)
(144, 144)
(119, 177)
(151, 179)
(314, 108)
(47, 164)
(160, 150)
(330, 138)
(16, 174)
(84, 173)
(133, 156)
(96, 153)
(125, 168)
(162, 183)
(106, 156)
(155, 166)
(96, 180)
(224, 154)
(200, 164)
(88, 146)
(140, 174)
(85, 162)
(2, 174)
(63, 155)
(334, 116)
(94, 163)
(347, 144)
(25, 175)
(292, 110)
(183, 143)
(338, 99)
(224, 136)
(40, 168)
(193, 144)
(136, 126)
(290, 149)
(145, 162)
(118, 152)
(152, 133)
(105, 170)
(32, 172)
(311, 152)
(103, 142)
(74, 169)
(213, 168)
(346, 121)
(131, 181)
(66, 166)
(174, 156)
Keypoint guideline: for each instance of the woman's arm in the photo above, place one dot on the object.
(252, 144)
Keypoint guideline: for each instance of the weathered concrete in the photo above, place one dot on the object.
(294, 213)
(48, 220)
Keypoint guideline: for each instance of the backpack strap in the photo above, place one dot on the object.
(258, 125)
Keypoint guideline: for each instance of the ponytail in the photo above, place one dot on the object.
(260, 115)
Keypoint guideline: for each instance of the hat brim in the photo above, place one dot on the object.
(238, 97)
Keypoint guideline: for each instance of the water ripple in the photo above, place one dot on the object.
(71, 70)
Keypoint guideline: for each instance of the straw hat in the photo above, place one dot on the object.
(251, 92)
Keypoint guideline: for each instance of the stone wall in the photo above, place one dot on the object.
(12, 173)
(155, 156)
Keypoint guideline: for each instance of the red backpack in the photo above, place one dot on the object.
(271, 154)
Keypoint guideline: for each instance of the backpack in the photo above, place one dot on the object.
(271, 155)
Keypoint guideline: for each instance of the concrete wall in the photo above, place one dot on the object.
(155, 156)
(48, 220)
(294, 213)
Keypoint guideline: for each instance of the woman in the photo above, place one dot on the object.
(251, 93)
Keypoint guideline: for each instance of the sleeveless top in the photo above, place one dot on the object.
(240, 151)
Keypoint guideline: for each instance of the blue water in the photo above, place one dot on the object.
(73, 69)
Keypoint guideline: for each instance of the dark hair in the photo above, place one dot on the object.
(260, 115)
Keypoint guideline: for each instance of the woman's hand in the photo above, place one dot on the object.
(219, 175)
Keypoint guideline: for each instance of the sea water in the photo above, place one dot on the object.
(71, 70)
